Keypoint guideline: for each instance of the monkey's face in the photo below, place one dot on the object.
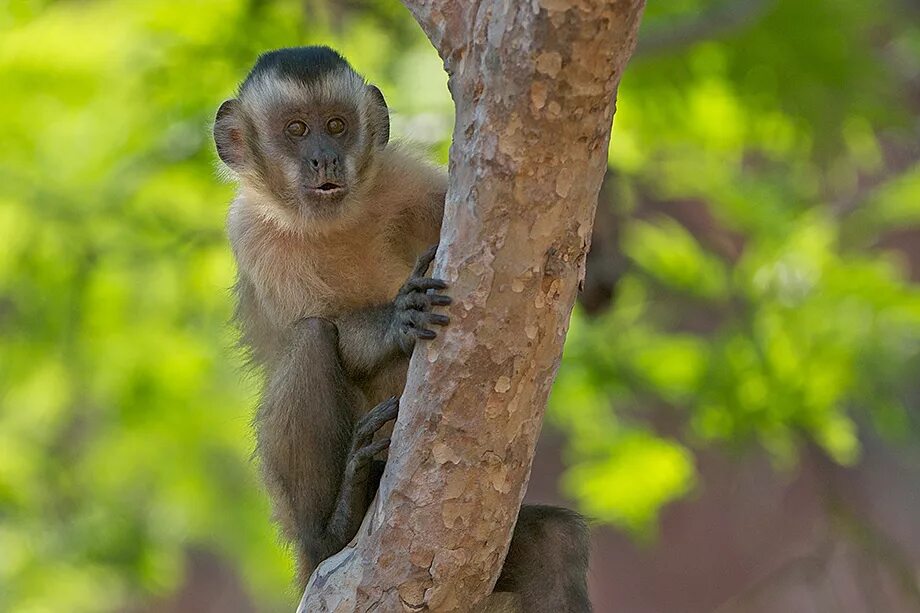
(314, 152)
(306, 148)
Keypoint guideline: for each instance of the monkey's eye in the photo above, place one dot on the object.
(296, 128)
(335, 126)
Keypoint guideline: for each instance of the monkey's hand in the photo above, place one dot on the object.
(413, 317)
(357, 490)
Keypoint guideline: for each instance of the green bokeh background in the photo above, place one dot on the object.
(124, 407)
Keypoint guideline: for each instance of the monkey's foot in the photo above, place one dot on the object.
(356, 492)
(363, 445)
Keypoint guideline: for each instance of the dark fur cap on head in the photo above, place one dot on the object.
(306, 65)
(324, 74)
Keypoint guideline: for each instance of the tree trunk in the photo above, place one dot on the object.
(534, 84)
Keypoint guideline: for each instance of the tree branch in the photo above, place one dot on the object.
(445, 22)
(534, 84)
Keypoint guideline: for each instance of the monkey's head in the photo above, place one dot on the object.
(303, 134)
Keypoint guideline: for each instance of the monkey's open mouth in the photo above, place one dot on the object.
(327, 190)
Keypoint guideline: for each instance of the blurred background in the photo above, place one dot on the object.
(739, 402)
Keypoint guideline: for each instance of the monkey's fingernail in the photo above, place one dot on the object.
(439, 320)
(440, 300)
(426, 333)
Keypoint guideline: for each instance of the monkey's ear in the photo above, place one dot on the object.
(379, 116)
(228, 134)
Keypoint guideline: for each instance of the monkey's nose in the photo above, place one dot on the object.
(324, 161)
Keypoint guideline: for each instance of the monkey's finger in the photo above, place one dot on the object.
(418, 301)
(422, 284)
(425, 333)
(439, 300)
(424, 261)
(438, 320)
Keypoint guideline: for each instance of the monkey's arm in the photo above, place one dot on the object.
(371, 338)
(420, 224)
(366, 340)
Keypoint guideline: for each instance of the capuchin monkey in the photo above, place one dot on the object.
(332, 230)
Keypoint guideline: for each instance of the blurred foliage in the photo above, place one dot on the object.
(771, 314)
(124, 417)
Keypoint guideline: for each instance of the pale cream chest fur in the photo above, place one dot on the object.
(303, 275)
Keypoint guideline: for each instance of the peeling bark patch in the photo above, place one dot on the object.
(412, 595)
(556, 6)
(456, 486)
(456, 514)
(443, 453)
(422, 559)
(549, 63)
(503, 384)
(495, 407)
(500, 479)
(553, 290)
(564, 181)
(538, 93)
(511, 138)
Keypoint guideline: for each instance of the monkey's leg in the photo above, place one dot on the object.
(305, 428)
(362, 475)
(547, 562)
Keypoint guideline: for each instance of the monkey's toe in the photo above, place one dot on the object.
(363, 456)
(375, 419)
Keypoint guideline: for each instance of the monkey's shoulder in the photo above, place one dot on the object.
(409, 195)
(407, 181)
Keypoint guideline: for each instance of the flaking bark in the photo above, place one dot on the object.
(534, 84)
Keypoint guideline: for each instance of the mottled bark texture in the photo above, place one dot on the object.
(534, 83)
